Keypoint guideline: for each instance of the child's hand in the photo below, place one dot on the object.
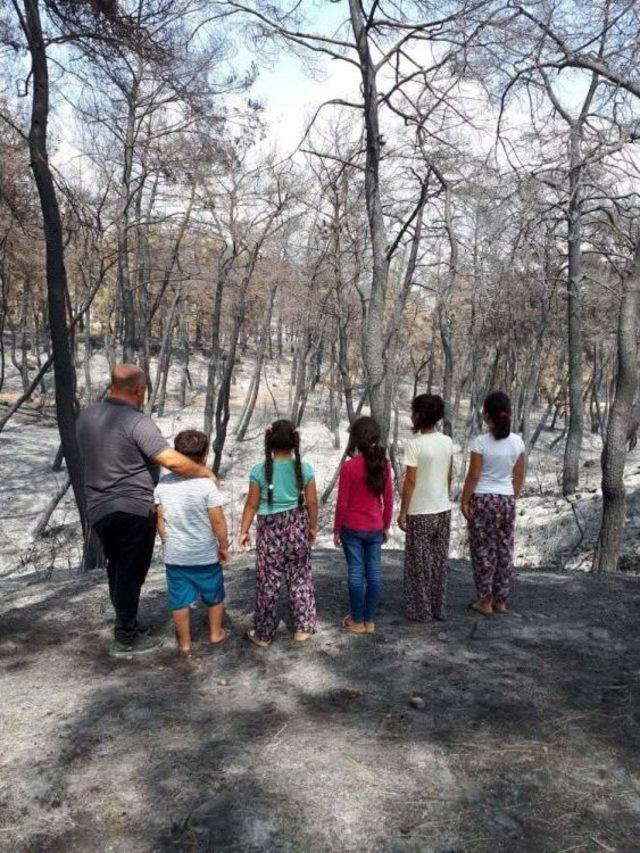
(223, 556)
(385, 535)
(402, 522)
(337, 541)
(245, 541)
(312, 536)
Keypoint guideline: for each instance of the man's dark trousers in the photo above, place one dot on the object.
(127, 540)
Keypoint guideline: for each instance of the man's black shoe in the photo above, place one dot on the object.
(138, 646)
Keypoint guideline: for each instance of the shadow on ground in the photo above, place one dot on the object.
(528, 738)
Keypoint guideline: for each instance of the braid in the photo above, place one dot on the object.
(268, 466)
(298, 469)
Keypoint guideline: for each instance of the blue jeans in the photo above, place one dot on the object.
(363, 550)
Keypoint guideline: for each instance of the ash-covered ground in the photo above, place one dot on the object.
(527, 738)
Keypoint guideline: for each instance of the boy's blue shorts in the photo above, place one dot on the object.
(186, 583)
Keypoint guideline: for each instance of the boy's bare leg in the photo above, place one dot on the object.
(181, 625)
(216, 632)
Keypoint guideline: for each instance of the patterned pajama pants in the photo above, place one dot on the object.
(491, 535)
(283, 552)
(425, 565)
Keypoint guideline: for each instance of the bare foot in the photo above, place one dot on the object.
(499, 607)
(301, 636)
(370, 627)
(188, 660)
(484, 608)
(255, 639)
(353, 627)
(218, 640)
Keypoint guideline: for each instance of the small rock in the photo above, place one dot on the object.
(417, 702)
(590, 463)
(223, 682)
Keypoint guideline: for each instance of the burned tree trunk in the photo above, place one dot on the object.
(620, 418)
(64, 370)
(252, 396)
(373, 331)
(575, 431)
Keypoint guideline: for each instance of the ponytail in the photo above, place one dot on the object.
(497, 408)
(364, 436)
(375, 460)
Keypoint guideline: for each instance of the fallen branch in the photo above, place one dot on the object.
(50, 508)
(35, 413)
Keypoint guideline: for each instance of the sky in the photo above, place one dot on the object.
(289, 90)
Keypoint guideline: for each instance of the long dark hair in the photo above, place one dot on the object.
(497, 407)
(364, 436)
(427, 410)
(282, 435)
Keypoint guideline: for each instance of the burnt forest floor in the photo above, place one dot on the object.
(527, 736)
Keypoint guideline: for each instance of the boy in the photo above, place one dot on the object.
(193, 530)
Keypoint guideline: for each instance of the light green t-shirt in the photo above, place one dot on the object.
(285, 488)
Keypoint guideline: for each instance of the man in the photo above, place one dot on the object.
(122, 450)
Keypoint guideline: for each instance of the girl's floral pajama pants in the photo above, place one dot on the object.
(491, 535)
(425, 565)
(283, 553)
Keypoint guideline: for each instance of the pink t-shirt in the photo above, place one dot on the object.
(357, 507)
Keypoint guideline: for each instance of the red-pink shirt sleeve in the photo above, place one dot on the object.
(343, 497)
(387, 499)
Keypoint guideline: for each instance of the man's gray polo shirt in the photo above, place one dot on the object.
(118, 444)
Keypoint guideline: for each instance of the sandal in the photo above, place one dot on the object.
(227, 634)
(499, 607)
(353, 627)
(255, 639)
(369, 627)
(482, 609)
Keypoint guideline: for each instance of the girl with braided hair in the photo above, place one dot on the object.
(363, 517)
(282, 491)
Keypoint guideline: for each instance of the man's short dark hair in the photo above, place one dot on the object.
(192, 443)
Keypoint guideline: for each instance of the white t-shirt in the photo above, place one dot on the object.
(498, 459)
(189, 539)
(431, 453)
